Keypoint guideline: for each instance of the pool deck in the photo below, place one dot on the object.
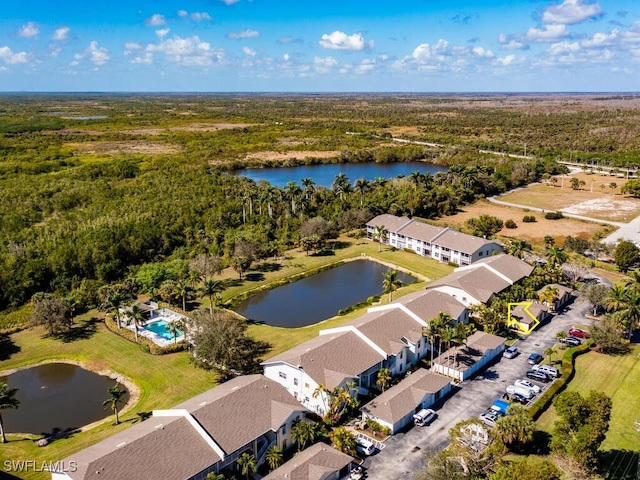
(168, 316)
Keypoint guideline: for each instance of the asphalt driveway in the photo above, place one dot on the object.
(402, 456)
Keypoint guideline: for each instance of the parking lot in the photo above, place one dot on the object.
(403, 454)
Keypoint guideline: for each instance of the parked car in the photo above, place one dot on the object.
(534, 359)
(490, 418)
(539, 376)
(550, 371)
(515, 397)
(510, 352)
(576, 332)
(529, 385)
(525, 392)
(365, 446)
(424, 417)
(571, 341)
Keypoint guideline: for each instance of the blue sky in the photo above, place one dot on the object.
(323, 46)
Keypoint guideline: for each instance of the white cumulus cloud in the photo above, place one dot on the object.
(95, 54)
(11, 58)
(571, 11)
(163, 32)
(249, 51)
(324, 65)
(600, 39)
(31, 29)
(511, 42)
(230, 2)
(550, 33)
(482, 52)
(563, 48)
(188, 51)
(156, 20)
(341, 41)
(195, 16)
(507, 60)
(61, 33)
(248, 33)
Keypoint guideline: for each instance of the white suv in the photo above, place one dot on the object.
(527, 384)
(548, 369)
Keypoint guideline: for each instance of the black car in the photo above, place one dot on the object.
(515, 397)
(534, 359)
(571, 341)
(536, 375)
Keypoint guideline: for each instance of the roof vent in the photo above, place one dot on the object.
(121, 444)
(161, 426)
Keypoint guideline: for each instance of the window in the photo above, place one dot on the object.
(282, 375)
(284, 444)
(464, 299)
(295, 382)
(436, 395)
(306, 399)
(284, 429)
(306, 385)
(480, 254)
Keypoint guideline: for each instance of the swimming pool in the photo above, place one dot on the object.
(159, 327)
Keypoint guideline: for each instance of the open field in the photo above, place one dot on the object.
(619, 378)
(532, 232)
(603, 202)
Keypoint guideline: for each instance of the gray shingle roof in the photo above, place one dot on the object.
(386, 329)
(479, 283)
(315, 463)
(403, 398)
(331, 358)
(242, 409)
(428, 304)
(390, 222)
(167, 447)
(510, 266)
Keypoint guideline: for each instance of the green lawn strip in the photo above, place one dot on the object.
(619, 378)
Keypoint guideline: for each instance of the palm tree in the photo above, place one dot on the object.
(115, 397)
(390, 282)
(309, 186)
(550, 352)
(7, 400)
(324, 391)
(301, 433)
(341, 184)
(136, 315)
(183, 289)
(209, 289)
(629, 315)
(549, 295)
(293, 190)
(343, 440)
(114, 301)
(247, 463)
(556, 256)
(517, 428)
(616, 299)
(518, 247)
(174, 330)
(380, 236)
(361, 185)
(383, 379)
(274, 457)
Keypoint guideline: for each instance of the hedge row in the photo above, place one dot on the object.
(568, 370)
(146, 345)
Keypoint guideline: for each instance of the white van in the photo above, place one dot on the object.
(424, 417)
(524, 391)
(548, 369)
(365, 446)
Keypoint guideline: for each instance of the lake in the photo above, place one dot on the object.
(324, 175)
(317, 297)
(56, 396)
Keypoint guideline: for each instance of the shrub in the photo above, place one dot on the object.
(510, 224)
(553, 215)
(567, 369)
(408, 250)
(529, 219)
(453, 264)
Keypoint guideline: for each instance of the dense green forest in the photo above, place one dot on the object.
(96, 185)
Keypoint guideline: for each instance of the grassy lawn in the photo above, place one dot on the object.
(617, 377)
(166, 380)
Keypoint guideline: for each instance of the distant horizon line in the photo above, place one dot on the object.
(319, 92)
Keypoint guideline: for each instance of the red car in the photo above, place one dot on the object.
(576, 332)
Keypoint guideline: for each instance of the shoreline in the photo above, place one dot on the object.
(132, 388)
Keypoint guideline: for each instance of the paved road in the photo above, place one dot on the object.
(402, 457)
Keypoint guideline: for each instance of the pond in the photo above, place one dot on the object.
(317, 297)
(324, 175)
(57, 396)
